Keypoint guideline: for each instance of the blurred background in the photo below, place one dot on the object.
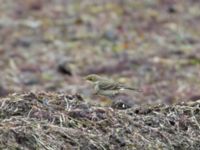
(50, 45)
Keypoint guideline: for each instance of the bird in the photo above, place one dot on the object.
(106, 87)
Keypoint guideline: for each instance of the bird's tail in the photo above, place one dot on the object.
(133, 89)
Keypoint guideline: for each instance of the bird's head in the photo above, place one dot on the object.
(93, 78)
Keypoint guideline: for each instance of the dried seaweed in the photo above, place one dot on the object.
(52, 121)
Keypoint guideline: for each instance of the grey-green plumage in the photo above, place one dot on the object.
(111, 85)
(106, 87)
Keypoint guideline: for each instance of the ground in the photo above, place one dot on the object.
(50, 46)
(58, 121)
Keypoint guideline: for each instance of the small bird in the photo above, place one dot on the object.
(106, 87)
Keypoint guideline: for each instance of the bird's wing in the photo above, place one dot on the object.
(108, 85)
